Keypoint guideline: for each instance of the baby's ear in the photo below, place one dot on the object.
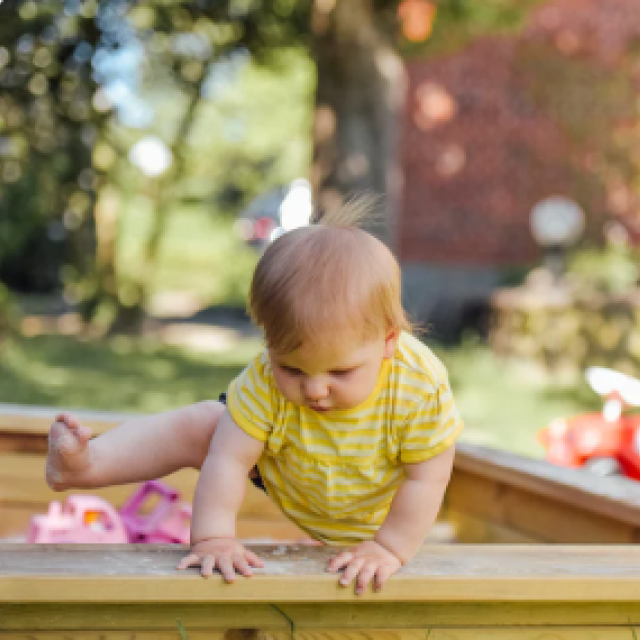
(391, 342)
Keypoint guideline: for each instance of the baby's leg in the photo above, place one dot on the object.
(140, 449)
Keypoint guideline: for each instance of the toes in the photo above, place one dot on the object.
(83, 433)
(65, 435)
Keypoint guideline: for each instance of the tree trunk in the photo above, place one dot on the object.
(359, 101)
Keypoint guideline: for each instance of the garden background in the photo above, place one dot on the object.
(123, 275)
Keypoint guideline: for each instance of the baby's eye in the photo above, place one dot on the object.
(341, 373)
(291, 371)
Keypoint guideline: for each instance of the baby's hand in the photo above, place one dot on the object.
(365, 562)
(225, 554)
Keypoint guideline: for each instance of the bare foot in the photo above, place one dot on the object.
(68, 458)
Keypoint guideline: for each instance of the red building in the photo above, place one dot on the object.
(501, 125)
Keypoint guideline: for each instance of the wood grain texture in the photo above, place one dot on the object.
(346, 617)
(25, 419)
(173, 634)
(557, 633)
(545, 518)
(614, 498)
(445, 573)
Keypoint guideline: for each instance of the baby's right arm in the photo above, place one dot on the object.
(218, 497)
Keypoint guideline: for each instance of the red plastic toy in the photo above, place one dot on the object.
(606, 443)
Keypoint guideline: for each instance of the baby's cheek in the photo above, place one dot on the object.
(287, 389)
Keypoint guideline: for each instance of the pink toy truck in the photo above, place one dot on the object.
(82, 518)
(168, 521)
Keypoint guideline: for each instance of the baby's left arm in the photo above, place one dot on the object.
(413, 511)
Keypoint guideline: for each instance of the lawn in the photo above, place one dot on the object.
(504, 404)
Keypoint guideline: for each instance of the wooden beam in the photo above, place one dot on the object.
(614, 497)
(538, 500)
(457, 592)
(440, 573)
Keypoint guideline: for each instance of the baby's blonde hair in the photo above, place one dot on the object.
(319, 283)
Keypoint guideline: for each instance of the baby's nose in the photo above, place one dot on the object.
(315, 389)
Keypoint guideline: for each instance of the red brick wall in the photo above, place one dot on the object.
(478, 153)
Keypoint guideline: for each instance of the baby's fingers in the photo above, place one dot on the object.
(253, 559)
(364, 577)
(382, 575)
(352, 570)
(226, 568)
(242, 566)
(207, 563)
(341, 560)
(192, 560)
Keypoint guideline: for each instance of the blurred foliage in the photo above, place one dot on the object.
(567, 328)
(615, 269)
(9, 315)
(227, 87)
(459, 22)
(47, 128)
(80, 81)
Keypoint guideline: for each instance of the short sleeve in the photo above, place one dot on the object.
(431, 428)
(250, 399)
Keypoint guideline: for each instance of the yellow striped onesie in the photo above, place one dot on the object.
(335, 473)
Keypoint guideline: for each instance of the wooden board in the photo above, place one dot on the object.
(24, 428)
(523, 498)
(615, 498)
(464, 573)
(548, 633)
(338, 619)
(457, 592)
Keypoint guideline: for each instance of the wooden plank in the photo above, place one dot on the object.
(354, 616)
(24, 419)
(540, 517)
(474, 530)
(548, 633)
(519, 633)
(614, 498)
(22, 480)
(367, 615)
(163, 634)
(56, 617)
(574, 633)
(460, 573)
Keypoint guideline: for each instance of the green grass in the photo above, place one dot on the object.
(503, 404)
(118, 374)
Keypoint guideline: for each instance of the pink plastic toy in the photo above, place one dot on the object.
(82, 518)
(169, 521)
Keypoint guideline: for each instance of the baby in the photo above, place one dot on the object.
(346, 420)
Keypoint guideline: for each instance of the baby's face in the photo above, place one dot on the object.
(332, 379)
